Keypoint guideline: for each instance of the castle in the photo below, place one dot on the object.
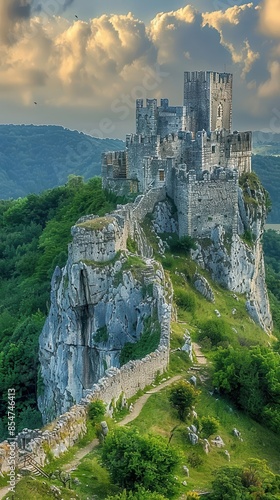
(189, 150)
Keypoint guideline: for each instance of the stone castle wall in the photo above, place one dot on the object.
(64, 432)
(204, 204)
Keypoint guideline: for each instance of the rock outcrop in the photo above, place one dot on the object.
(104, 298)
(236, 261)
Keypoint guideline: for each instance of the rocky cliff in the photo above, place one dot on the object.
(236, 261)
(104, 298)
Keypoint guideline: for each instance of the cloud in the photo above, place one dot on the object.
(233, 24)
(270, 18)
(271, 87)
(85, 72)
(12, 12)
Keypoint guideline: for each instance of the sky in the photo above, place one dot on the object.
(84, 62)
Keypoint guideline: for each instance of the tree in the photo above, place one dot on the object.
(227, 485)
(140, 461)
(209, 426)
(182, 397)
(253, 481)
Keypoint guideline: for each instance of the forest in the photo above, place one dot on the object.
(36, 158)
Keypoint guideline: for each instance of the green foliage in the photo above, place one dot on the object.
(252, 481)
(134, 460)
(131, 245)
(147, 343)
(251, 377)
(271, 247)
(184, 299)
(96, 410)
(101, 334)
(248, 237)
(182, 245)
(227, 485)
(140, 494)
(182, 397)
(216, 330)
(194, 459)
(209, 426)
(267, 168)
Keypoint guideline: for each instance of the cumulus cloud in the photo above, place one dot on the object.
(230, 24)
(89, 71)
(271, 87)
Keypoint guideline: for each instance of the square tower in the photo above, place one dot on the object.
(208, 100)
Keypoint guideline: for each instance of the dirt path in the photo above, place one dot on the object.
(201, 360)
(4, 491)
(79, 455)
(138, 405)
(135, 412)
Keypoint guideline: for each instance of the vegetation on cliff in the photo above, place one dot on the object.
(34, 234)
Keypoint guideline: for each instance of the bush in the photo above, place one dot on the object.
(135, 461)
(140, 494)
(194, 459)
(185, 300)
(214, 329)
(182, 245)
(96, 410)
(209, 426)
(182, 396)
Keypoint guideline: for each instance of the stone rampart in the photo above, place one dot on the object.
(61, 434)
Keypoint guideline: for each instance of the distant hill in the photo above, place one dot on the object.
(35, 158)
(268, 170)
(266, 143)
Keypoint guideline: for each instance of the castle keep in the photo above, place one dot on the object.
(190, 150)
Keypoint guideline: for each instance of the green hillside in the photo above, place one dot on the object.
(268, 170)
(36, 158)
(242, 362)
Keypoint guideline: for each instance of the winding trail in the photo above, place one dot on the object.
(138, 405)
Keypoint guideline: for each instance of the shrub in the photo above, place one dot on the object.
(185, 300)
(209, 426)
(135, 461)
(96, 410)
(182, 245)
(214, 329)
(182, 396)
(194, 459)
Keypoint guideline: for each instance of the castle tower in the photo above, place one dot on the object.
(208, 100)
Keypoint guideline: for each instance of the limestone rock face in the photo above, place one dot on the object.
(202, 286)
(236, 262)
(101, 300)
